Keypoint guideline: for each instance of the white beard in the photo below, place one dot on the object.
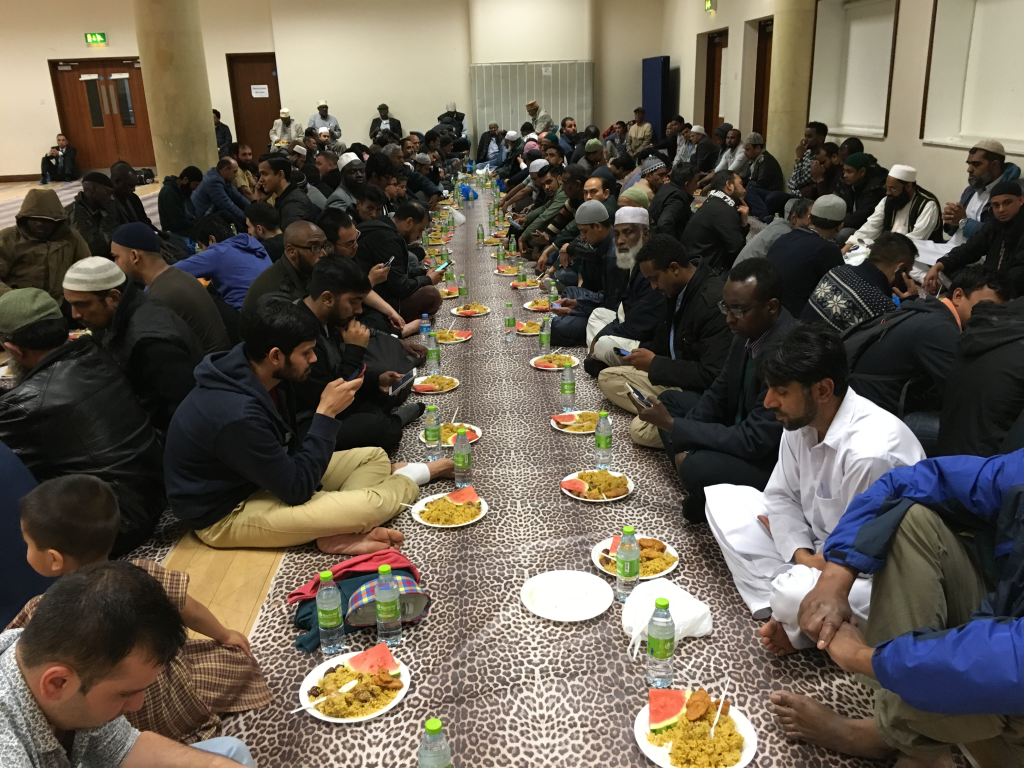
(627, 258)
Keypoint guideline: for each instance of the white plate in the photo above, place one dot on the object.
(574, 475)
(554, 425)
(527, 288)
(504, 274)
(479, 432)
(527, 306)
(575, 362)
(566, 595)
(480, 314)
(520, 333)
(421, 505)
(315, 676)
(446, 296)
(660, 756)
(595, 557)
(457, 341)
(419, 380)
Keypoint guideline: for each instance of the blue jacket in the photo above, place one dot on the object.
(214, 195)
(1010, 173)
(976, 668)
(228, 439)
(231, 265)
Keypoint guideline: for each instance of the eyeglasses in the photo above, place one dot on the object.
(737, 312)
(315, 247)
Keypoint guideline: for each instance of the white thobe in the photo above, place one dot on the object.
(923, 227)
(733, 160)
(604, 349)
(810, 488)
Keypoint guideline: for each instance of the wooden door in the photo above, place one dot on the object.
(717, 42)
(101, 106)
(251, 75)
(763, 76)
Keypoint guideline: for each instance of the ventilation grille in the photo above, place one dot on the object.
(562, 88)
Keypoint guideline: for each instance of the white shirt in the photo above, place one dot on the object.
(734, 160)
(973, 211)
(927, 219)
(813, 483)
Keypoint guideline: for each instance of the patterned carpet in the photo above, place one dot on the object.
(513, 689)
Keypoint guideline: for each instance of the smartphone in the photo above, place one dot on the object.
(622, 352)
(442, 267)
(388, 262)
(402, 383)
(357, 374)
(639, 397)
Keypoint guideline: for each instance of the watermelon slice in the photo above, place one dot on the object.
(666, 707)
(614, 545)
(463, 496)
(470, 436)
(543, 365)
(468, 312)
(423, 387)
(574, 486)
(372, 661)
(565, 418)
(463, 334)
(520, 326)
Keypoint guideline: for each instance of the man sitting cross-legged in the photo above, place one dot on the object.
(943, 540)
(835, 444)
(237, 472)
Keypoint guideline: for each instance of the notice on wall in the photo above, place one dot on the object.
(260, 91)
(545, 71)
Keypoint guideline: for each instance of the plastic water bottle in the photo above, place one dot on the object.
(545, 336)
(449, 274)
(433, 355)
(661, 642)
(328, 615)
(553, 290)
(568, 396)
(389, 612)
(432, 433)
(480, 237)
(521, 274)
(603, 442)
(510, 323)
(627, 564)
(463, 459)
(463, 289)
(434, 751)
(424, 328)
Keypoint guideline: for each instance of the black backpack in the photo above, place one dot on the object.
(858, 339)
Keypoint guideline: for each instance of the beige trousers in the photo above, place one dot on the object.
(614, 381)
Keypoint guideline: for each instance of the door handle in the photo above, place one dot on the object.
(113, 98)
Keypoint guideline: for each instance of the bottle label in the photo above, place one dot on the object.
(388, 611)
(568, 387)
(660, 648)
(432, 434)
(545, 339)
(463, 291)
(328, 618)
(627, 569)
(434, 354)
(604, 442)
(465, 461)
(510, 322)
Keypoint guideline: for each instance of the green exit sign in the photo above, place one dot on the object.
(95, 38)
(710, 5)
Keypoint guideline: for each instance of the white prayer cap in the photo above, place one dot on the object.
(321, 103)
(697, 129)
(536, 165)
(298, 149)
(285, 112)
(903, 173)
(632, 215)
(533, 136)
(347, 158)
(95, 273)
(451, 106)
(324, 130)
(512, 136)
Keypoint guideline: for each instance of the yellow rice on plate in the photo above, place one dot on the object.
(449, 429)
(442, 383)
(443, 512)
(473, 306)
(347, 705)
(691, 747)
(448, 336)
(530, 327)
(586, 421)
(540, 304)
(559, 361)
(602, 480)
(658, 562)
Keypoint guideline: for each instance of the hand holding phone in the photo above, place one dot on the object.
(358, 374)
(641, 402)
(442, 267)
(622, 352)
(402, 383)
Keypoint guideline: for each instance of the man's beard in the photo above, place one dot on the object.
(293, 372)
(894, 204)
(17, 370)
(627, 258)
(810, 414)
(978, 183)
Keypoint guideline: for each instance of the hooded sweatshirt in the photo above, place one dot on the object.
(229, 438)
(985, 390)
(26, 262)
(177, 214)
(231, 265)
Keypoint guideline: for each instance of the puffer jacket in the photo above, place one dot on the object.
(75, 412)
(26, 262)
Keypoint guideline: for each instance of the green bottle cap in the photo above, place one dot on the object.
(384, 570)
(431, 407)
(627, 530)
(433, 333)
(602, 414)
(326, 576)
(661, 603)
(568, 365)
(433, 726)
(461, 431)
(508, 303)
(461, 275)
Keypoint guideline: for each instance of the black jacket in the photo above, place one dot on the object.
(329, 182)
(862, 198)
(130, 208)
(75, 413)
(804, 257)
(223, 137)
(229, 439)
(916, 353)
(177, 214)
(985, 389)
(767, 173)
(702, 337)
(485, 142)
(714, 233)
(730, 418)
(95, 225)
(294, 205)
(705, 154)
(1002, 245)
(644, 309)
(280, 277)
(379, 240)
(670, 211)
(395, 126)
(456, 122)
(156, 350)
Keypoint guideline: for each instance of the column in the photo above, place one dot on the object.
(170, 39)
(790, 89)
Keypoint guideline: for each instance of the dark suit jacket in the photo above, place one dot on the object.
(711, 424)
(396, 126)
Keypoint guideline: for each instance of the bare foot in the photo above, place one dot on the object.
(361, 543)
(398, 465)
(805, 719)
(774, 638)
(441, 468)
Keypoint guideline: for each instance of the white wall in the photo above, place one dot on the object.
(528, 30)
(618, 57)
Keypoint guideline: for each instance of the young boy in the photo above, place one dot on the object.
(69, 522)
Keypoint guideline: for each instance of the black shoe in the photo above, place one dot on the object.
(409, 412)
(593, 366)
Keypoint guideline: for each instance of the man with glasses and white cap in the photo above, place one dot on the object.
(285, 129)
(324, 120)
(986, 167)
(907, 209)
